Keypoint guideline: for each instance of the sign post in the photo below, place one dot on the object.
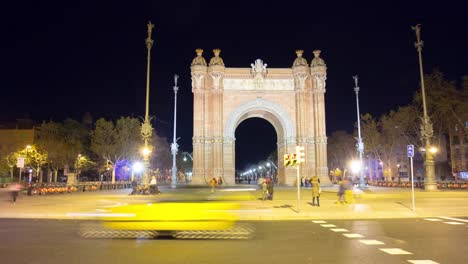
(20, 165)
(410, 152)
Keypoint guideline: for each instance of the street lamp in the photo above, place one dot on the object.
(174, 145)
(426, 128)
(137, 167)
(360, 144)
(146, 128)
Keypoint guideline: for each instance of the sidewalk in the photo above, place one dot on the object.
(374, 203)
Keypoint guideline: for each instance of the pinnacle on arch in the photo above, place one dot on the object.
(199, 60)
(216, 60)
(300, 61)
(317, 61)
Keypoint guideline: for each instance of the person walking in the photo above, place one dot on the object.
(316, 190)
(341, 192)
(220, 181)
(213, 183)
(134, 187)
(270, 187)
(264, 188)
(15, 188)
(154, 185)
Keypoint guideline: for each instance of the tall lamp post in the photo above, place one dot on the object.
(426, 128)
(146, 128)
(360, 144)
(174, 145)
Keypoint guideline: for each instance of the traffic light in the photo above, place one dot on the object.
(290, 160)
(300, 154)
(286, 159)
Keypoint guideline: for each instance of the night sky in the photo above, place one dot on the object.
(62, 59)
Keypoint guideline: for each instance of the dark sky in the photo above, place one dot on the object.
(61, 59)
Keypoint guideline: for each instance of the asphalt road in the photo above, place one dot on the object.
(56, 241)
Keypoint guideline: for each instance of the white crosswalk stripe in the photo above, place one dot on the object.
(319, 222)
(395, 251)
(433, 219)
(453, 223)
(339, 230)
(372, 242)
(328, 225)
(353, 235)
(426, 261)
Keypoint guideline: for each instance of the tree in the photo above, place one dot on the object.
(63, 142)
(116, 143)
(34, 158)
(341, 149)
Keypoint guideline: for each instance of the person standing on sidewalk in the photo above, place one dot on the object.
(213, 183)
(270, 187)
(15, 188)
(315, 190)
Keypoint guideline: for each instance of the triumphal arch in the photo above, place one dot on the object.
(291, 99)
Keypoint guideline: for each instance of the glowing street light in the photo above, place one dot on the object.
(355, 166)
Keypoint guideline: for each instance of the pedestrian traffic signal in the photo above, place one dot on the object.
(290, 160)
(300, 154)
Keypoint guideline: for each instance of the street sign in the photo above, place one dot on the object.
(410, 151)
(20, 162)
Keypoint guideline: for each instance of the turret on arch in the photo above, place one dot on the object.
(291, 99)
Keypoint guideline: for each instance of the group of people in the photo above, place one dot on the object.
(214, 183)
(267, 188)
(152, 188)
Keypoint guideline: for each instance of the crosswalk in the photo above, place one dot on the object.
(449, 220)
(380, 245)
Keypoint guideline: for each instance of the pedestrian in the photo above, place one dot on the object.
(264, 187)
(316, 190)
(213, 183)
(302, 182)
(270, 188)
(15, 188)
(134, 187)
(154, 186)
(220, 181)
(341, 192)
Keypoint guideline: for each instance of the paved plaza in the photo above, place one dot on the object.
(373, 203)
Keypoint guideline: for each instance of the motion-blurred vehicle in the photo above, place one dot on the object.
(188, 220)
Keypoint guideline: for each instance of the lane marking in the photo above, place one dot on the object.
(353, 235)
(371, 242)
(318, 222)
(328, 225)
(395, 251)
(339, 230)
(432, 219)
(426, 261)
(454, 219)
(454, 223)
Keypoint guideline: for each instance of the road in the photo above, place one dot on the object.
(435, 239)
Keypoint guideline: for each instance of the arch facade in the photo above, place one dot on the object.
(291, 99)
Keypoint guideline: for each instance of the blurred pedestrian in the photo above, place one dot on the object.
(316, 190)
(341, 192)
(153, 185)
(213, 183)
(270, 188)
(264, 187)
(134, 187)
(15, 188)
(220, 181)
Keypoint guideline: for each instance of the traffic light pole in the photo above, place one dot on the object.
(298, 188)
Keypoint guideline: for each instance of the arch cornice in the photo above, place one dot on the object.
(263, 105)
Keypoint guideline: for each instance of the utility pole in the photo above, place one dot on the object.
(174, 145)
(427, 132)
(360, 144)
(146, 128)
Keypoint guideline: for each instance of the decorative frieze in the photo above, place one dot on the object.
(253, 84)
